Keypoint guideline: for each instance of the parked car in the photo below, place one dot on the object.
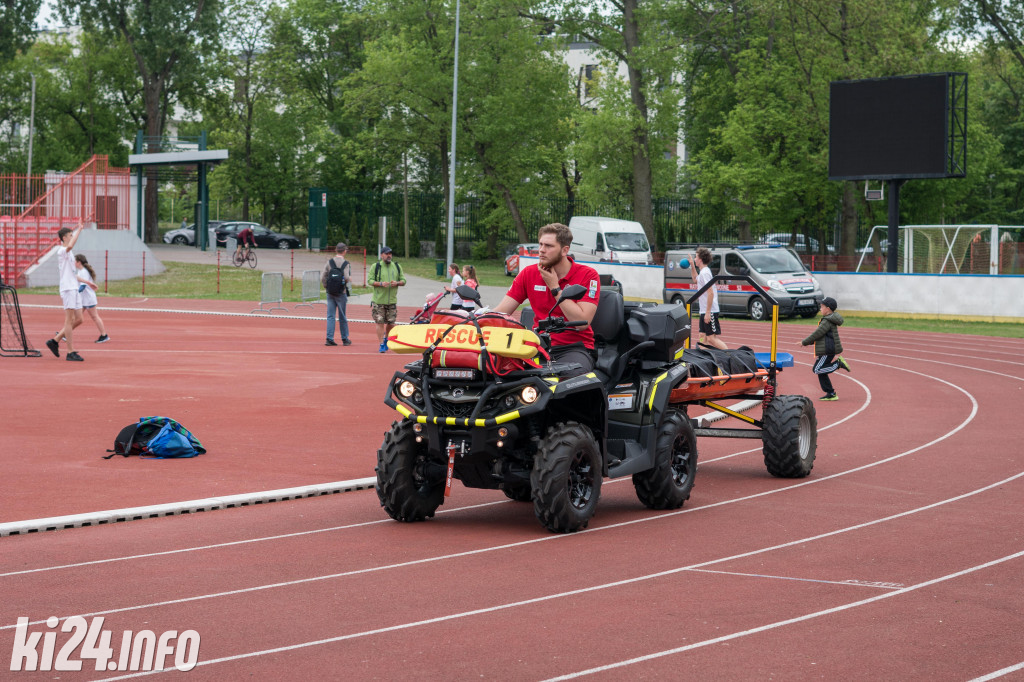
(265, 238)
(512, 258)
(187, 235)
(799, 242)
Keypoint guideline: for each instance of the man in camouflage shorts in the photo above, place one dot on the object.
(385, 278)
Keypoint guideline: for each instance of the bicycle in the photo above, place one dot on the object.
(247, 254)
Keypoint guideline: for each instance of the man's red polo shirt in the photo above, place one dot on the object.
(530, 285)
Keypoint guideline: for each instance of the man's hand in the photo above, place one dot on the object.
(549, 277)
(707, 318)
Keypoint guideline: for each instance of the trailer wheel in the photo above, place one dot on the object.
(789, 436)
(668, 484)
(409, 485)
(566, 478)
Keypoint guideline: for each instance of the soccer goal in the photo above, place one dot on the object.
(13, 342)
(949, 249)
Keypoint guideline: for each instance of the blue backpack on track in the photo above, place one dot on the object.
(156, 438)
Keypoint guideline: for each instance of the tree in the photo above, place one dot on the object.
(16, 26)
(167, 41)
(634, 33)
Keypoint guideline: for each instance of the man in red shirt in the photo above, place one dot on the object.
(245, 238)
(541, 284)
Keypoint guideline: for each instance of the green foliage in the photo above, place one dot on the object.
(16, 19)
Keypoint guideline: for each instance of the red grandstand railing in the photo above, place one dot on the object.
(95, 193)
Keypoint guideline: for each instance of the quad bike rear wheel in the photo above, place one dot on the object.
(566, 478)
(668, 484)
(789, 436)
(409, 485)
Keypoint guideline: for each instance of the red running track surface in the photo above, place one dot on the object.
(899, 558)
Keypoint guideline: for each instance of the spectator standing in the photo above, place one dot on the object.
(710, 326)
(827, 347)
(453, 272)
(336, 277)
(385, 278)
(69, 296)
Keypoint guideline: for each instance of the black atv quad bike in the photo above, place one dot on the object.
(480, 408)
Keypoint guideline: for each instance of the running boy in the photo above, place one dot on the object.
(827, 347)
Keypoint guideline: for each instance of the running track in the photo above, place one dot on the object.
(900, 558)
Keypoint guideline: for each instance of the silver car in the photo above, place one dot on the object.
(187, 235)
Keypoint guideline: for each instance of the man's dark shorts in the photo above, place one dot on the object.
(713, 328)
(574, 353)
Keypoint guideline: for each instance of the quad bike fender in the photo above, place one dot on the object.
(633, 446)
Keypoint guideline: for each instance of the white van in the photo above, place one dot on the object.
(609, 240)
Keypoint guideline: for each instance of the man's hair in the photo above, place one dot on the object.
(704, 253)
(563, 235)
(63, 231)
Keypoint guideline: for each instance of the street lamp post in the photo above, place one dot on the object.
(451, 163)
(31, 132)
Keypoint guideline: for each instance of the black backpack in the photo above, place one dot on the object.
(335, 284)
(158, 438)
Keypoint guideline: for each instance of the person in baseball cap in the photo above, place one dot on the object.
(385, 278)
(827, 347)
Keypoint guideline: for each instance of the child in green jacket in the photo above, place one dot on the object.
(827, 347)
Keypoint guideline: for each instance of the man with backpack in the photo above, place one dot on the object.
(385, 278)
(336, 277)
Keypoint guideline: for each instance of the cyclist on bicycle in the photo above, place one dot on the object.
(245, 238)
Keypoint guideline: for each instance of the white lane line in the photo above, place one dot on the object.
(629, 581)
(220, 545)
(851, 582)
(788, 621)
(645, 519)
(266, 316)
(546, 538)
(999, 673)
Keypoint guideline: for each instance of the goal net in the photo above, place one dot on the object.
(13, 342)
(948, 249)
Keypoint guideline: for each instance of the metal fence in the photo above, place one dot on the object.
(352, 217)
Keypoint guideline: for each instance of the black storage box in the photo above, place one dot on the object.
(667, 325)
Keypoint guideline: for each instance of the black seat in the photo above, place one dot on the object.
(607, 325)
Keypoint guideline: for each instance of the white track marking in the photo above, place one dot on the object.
(999, 673)
(546, 538)
(233, 543)
(645, 519)
(791, 621)
(642, 578)
(849, 582)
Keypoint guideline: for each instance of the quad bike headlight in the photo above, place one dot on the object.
(528, 395)
(406, 389)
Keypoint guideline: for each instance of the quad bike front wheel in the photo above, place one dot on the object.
(789, 436)
(667, 485)
(410, 486)
(566, 478)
